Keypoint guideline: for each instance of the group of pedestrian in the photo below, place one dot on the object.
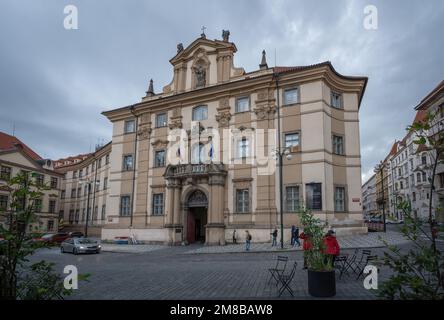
(330, 247)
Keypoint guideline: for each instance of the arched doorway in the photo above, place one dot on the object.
(197, 204)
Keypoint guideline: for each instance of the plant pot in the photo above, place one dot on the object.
(321, 284)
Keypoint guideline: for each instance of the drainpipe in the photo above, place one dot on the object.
(134, 164)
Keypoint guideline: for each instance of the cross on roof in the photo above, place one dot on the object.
(203, 31)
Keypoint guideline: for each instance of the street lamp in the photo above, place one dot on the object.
(279, 153)
(380, 169)
(87, 182)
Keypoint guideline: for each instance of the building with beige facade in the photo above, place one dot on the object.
(195, 161)
(16, 157)
(84, 190)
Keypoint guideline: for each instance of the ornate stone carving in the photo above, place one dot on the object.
(197, 199)
(144, 132)
(224, 115)
(200, 74)
(175, 123)
(263, 111)
(159, 143)
(179, 47)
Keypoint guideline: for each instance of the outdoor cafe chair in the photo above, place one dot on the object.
(281, 264)
(285, 280)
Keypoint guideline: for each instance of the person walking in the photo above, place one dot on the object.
(296, 237)
(331, 246)
(292, 234)
(234, 236)
(306, 247)
(274, 235)
(247, 240)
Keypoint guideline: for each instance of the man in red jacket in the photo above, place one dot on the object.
(331, 246)
(306, 247)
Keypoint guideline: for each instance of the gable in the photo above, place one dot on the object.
(19, 158)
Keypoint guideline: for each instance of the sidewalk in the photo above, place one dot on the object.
(370, 240)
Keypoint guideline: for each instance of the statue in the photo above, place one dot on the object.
(225, 35)
(179, 47)
(200, 76)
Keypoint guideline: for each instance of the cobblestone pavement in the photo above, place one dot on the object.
(370, 240)
(170, 274)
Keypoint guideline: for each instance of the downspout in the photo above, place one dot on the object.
(134, 164)
(95, 188)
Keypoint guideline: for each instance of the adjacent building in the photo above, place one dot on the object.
(369, 204)
(16, 157)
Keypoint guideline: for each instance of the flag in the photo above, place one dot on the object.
(211, 152)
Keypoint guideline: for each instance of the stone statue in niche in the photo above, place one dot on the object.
(200, 76)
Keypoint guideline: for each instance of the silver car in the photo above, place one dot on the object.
(80, 245)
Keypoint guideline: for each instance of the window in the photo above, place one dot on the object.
(161, 120)
(292, 198)
(339, 199)
(73, 193)
(80, 173)
(242, 104)
(50, 225)
(291, 96)
(52, 205)
(105, 183)
(125, 206)
(336, 100)
(95, 213)
(128, 162)
(97, 186)
(291, 140)
(107, 159)
(76, 218)
(424, 177)
(71, 216)
(418, 177)
(159, 158)
(399, 171)
(85, 190)
(198, 153)
(313, 195)
(54, 183)
(423, 160)
(157, 204)
(99, 163)
(103, 213)
(412, 179)
(338, 145)
(130, 126)
(411, 164)
(401, 185)
(74, 174)
(39, 179)
(441, 180)
(87, 170)
(413, 196)
(200, 113)
(3, 202)
(62, 194)
(79, 192)
(5, 173)
(242, 201)
(243, 148)
(38, 205)
(83, 214)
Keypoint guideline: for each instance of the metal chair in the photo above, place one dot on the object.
(355, 265)
(365, 263)
(285, 280)
(341, 264)
(281, 264)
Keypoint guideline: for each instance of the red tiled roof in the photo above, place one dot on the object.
(394, 148)
(420, 115)
(8, 142)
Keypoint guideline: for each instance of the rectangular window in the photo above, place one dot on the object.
(291, 140)
(338, 145)
(159, 158)
(39, 179)
(5, 173)
(200, 113)
(99, 163)
(54, 182)
(161, 120)
(128, 162)
(105, 183)
(243, 148)
(95, 213)
(62, 194)
(242, 201)
(423, 160)
(413, 196)
(292, 198)
(80, 173)
(79, 192)
(103, 214)
(157, 204)
(73, 193)
(97, 186)
(418, 177)
(38, 204)
(125, 206)
(74, 174)
(412, 179)
(71, 216)
(242, 104)
(291, 96)
(107, 159)
(441, 180)
(3, 202)
(313, 195)
(50, 225)
(77, 216)
(336, 100)
(339, 199)
(52, 206)
(424, 177)
(130, 126)
(401, 185)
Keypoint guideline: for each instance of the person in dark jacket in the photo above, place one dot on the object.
(295, 236)
(274, 235)
(331, 247)
(307, 246)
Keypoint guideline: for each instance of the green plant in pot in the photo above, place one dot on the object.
(321, 273)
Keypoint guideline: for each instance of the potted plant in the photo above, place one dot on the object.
(321, 273)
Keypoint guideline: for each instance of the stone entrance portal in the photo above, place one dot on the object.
(197, 205)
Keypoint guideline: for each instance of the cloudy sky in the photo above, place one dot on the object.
(54, 83)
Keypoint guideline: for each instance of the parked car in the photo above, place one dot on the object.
(76, 234)
(80, 245)
(53, 237)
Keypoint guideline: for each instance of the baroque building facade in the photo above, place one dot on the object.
(194, 162)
